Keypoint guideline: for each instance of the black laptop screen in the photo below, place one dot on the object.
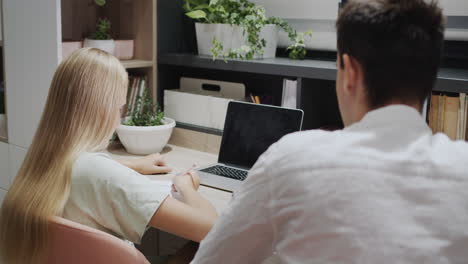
(250, 129)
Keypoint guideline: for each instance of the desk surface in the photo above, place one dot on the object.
(180, 159)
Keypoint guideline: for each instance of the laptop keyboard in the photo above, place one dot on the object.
(227, 172)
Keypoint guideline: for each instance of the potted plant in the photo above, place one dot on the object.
(146, 130)
(237, 29)
(101, 38)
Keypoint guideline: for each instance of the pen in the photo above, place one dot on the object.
(194, 166)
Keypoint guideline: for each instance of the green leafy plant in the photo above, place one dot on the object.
(298, 50)
(103, 25)
(251, 17)
(145, 113)
(102, 30)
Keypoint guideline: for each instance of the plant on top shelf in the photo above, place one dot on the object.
(101, 38)
(251, 17)
(298, 50)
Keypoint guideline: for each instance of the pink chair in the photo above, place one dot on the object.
(73, 243)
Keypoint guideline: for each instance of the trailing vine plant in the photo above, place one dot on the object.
(252, 18)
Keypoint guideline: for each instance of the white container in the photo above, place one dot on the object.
(233, 37)
(145, 140)
(105, 45)
(196, 109)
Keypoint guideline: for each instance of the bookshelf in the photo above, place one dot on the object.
(130, 19)
(449, 80)
(135, 64)
(316, 78)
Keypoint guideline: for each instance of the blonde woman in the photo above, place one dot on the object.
(64, 174)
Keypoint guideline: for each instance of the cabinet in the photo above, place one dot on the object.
(31, 41)
(31, 45)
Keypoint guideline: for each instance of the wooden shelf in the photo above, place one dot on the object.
(314, 69)
(132, 64)
(207, 130)
(448, 80)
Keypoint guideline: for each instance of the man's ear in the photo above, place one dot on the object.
(353, 74)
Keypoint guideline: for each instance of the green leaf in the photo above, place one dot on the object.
(100, 2)
(197, 14)
(199, 7)
(213, 2)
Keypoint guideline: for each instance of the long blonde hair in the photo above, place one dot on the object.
(80, 115)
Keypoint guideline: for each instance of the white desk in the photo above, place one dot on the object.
(180, 159)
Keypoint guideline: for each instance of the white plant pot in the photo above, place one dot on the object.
(232, 37)
(145, 140)
(105, 45)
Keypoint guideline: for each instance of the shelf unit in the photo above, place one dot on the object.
(134, 64)
(449, 80)
(130, 19)
(316, 79)
(312, 76)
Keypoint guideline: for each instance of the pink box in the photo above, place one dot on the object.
(69, 47)
(124, 49)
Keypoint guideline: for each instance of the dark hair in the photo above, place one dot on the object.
(398, 43)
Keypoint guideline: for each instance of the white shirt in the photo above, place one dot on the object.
(384, 190)
(111, 197)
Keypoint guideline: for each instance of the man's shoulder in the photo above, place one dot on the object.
(309, 148)
(313, 140)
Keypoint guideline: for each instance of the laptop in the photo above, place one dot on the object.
(249, 130)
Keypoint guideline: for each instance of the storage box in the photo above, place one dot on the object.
(69, 47)
(192, 104)
(195, 109)
(124, 49)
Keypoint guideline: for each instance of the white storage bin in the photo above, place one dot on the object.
(196, 106)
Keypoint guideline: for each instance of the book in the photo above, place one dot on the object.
(461, 118)
(466, 118)
(424, 112)
(433, 113)
(450, 122)
(440, 114)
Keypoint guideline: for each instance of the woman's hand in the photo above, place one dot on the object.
(151, 164)
(189, 180)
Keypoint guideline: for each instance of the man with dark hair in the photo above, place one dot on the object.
(382, 190)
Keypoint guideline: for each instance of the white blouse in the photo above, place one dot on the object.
(111, 197)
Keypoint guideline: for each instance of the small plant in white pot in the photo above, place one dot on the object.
(237, 29)
(146, 130)
(101, 38)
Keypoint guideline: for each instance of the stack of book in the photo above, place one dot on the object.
(136, 88)
(448, 114)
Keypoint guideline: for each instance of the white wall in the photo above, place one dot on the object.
(320, 17)
(32, 34)
(301, 9)
(455, 7)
